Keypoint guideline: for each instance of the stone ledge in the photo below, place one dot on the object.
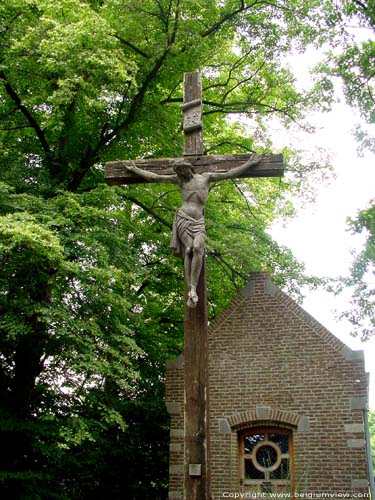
(303, 424)
(356, 443)
(263, 412)
(359, 403)
(351, 355)
(354, 428)
(248, 290)
(359, 483)
(173, 408)
(270, 288)
(224, 427)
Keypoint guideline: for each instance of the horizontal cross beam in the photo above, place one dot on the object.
(269, 166)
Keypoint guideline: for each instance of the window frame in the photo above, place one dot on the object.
(265, 429)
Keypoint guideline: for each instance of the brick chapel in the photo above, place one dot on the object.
(286, 403)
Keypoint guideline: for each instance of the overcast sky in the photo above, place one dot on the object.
(319, 235)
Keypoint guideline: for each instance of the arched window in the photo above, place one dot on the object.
(266, 460)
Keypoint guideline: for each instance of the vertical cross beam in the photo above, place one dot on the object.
(196, 460)
(192, 109)
(196, 463)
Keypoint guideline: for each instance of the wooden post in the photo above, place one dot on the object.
(270, 165)
(192, 109)
(196, 461)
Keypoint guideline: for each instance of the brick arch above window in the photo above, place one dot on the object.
(266, 415)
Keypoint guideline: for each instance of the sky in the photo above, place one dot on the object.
(318, 235)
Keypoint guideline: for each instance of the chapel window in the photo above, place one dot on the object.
(266, 460)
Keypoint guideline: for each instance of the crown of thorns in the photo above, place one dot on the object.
(183, 164)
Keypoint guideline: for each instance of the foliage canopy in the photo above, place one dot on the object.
(90, 299)
(353, 64)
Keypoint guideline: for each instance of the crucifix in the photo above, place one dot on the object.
(193, 173)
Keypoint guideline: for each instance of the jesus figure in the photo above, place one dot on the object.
(188, 234)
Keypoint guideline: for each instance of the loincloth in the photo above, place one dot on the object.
(184, 225)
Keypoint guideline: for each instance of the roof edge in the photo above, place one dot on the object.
(261, 282)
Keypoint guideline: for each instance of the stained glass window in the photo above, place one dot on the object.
(266, 459)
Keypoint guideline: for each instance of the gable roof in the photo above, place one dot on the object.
(260, 283)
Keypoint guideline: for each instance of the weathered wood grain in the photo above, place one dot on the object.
(270, 166)
(196, 348)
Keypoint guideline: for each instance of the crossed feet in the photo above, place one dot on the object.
(192, 298)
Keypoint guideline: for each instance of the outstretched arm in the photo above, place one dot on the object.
(150, 176)
(235, 172)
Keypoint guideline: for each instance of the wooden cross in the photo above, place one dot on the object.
(196, 461)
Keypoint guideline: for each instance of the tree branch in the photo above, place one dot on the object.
(243, 107)
(68, 118)
(133, 47)
(147, 282)
(138, 99)
(245, 198)
(26, 113)
(217, 255)
(149, 210)
(15, 128)
(169, 100)
(241, 82)
(227, 17)
(229, 143)
(361, 4)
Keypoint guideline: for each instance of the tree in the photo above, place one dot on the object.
(362, 311)
(90, 299)
(354, 66)
(371, 422)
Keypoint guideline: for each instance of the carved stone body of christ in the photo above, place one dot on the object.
(188, 236)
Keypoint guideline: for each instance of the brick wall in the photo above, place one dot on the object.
(272, 363)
